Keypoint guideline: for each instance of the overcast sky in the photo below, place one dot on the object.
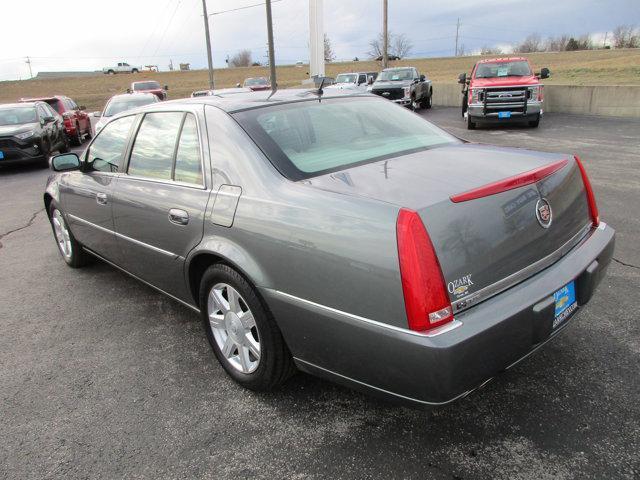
(90, 34)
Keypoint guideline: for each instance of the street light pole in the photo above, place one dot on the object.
(206, 33)
(385, 35)
(272, 56)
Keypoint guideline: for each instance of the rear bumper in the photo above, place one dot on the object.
(433, 370)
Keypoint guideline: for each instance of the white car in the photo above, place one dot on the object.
(358, 81)
(120, 103)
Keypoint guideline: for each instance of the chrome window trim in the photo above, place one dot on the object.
(129, 151)
(124, 237)
(489, 291)
(429, 334)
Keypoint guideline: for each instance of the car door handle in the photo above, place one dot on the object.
(179, 217)
(101, 198)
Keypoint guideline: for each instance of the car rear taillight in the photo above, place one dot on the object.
(425, 296)
(67, 115)
(591, 199)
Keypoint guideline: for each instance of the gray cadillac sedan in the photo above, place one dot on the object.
(340, 235)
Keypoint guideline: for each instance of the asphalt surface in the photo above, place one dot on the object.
(102, 377)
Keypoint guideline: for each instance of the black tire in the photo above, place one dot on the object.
(64, 148)
(535, 123)
(426, 103)
(89, 133)
(111, 72)
(77, 138)
(135, 70)
(77, 257)
(276, 364)
(471, 125)
(465, 104)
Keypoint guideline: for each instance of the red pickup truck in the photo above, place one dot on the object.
(502, 90)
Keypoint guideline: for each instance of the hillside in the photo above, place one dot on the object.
(591, 67)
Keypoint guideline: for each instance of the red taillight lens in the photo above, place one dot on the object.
(425, 295)
(591, 198)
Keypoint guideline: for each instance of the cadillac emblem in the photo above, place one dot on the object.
(543, 213)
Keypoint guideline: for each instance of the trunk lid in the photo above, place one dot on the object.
(485, 244)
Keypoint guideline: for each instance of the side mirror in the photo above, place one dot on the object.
(370, 81)
(422, 78)
(128, 90)
(97, 114)
(462, 78)
(65, 162)
(544, 73)
(238, 85)
(81, 107)
(166, 87)
(48, 119)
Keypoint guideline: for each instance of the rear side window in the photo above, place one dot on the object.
(106, 152)
(188, 166)
(56, 105)
(152, 153)
(167, 148)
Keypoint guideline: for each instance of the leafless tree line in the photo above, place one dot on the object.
(623, 36)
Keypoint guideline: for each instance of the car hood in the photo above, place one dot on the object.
(395, 84)
(425, 178)
(7, 130)
(504, 81)
(341, 86)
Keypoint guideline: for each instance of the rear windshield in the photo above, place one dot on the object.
(146, 86)
(18, 115)
(310, 138)
(253, 82)
(503, 69)
(121, 105)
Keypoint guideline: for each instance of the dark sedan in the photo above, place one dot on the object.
(344, 236)
(30, 132)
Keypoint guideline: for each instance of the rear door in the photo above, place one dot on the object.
(159, 202)
(86, 195)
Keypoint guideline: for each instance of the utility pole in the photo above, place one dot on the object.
(604, 42)
(206, 33)
(457, 33)
(272, 59)
(385, 34)
(28, 62)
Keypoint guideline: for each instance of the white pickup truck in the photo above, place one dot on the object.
(121, 67)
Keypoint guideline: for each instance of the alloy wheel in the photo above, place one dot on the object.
(62, 234)
(234, 328)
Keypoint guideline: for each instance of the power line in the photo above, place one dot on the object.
(242, 8)
(167, 27)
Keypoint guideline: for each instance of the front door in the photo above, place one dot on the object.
(86, 195)
(160, 203)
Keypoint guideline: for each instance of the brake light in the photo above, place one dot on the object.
(517, 181)
(591, 198)
(425, 296)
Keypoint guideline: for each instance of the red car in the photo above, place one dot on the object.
(257, 83)
(149, 86)
(77, 123)
(502, 90)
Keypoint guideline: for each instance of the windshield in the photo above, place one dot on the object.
(253, 82)
(306, 139)
(146, 86)
(122, 104)
(393, 75)
(346, 78)
(518, 68)
(18, 115)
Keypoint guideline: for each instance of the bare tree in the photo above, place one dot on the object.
(329, 56)
(399, 46)
(491, 51)
(556, 44)
(241, 59)
(626, 36)
(532, 43)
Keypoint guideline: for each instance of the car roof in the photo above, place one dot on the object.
(234, 102)
(20, 104)
(43, 99)
(503, 59)
(145, 81)
(129, 95)
(390, 69)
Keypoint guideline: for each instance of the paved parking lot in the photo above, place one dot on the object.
(102, 377)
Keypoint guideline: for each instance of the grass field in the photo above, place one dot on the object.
(592, 67)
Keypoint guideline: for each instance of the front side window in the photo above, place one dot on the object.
(152, 152)
(188, 166)
(310, 138)
(106, 152)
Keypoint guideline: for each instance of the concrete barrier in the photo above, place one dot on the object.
(613, 101)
